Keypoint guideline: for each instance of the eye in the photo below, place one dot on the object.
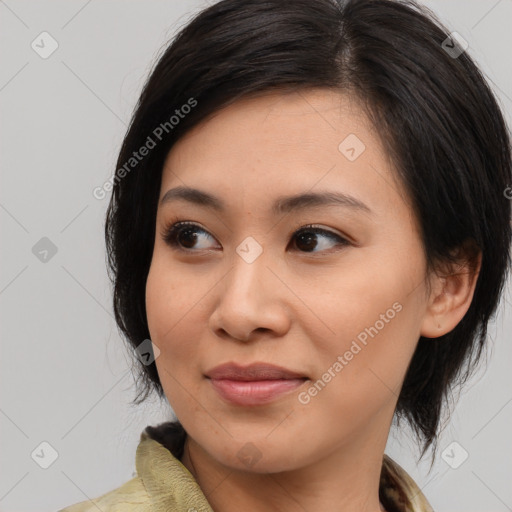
(307, 238)
(183, 236)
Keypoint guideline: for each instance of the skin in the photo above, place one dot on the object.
(291, 307)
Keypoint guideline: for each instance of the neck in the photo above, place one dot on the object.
(347, 479)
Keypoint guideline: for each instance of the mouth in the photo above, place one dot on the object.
(252, 372)
(256, 384)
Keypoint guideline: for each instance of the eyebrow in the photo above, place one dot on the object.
(283, 204)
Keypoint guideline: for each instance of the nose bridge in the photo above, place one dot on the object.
(248, 275)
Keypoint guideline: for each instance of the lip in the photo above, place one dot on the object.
(256, 384)
(252, 372)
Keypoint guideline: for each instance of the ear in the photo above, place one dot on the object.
(452, 289)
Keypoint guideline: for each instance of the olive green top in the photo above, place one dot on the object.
(164, 484)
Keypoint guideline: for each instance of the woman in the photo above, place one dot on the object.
(307, 238)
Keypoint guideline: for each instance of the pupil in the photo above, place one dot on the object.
(186, 232)
(308, 237)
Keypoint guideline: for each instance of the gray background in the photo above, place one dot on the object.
(65, 374)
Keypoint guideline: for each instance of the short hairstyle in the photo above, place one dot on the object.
(434, 112)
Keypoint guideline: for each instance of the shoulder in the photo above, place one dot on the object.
(131, 496)
(162, 482)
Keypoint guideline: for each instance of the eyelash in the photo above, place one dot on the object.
(173, 230)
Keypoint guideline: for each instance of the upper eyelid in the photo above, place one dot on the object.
(300, 227)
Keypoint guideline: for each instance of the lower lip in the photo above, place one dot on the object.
(254, 392)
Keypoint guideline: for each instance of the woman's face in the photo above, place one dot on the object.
(342, 306)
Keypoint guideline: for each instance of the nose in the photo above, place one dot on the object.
(251, 300)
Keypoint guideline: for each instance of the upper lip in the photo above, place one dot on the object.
(255, 371)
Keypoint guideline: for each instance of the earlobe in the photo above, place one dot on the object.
(452, 293)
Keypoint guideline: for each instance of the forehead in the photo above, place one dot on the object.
(277, 144)
(316, 119)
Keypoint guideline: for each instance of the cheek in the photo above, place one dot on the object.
(170, 299)
(369, 359)
(349, 301)
(164, 308)
(373, 328)
(173, 308)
